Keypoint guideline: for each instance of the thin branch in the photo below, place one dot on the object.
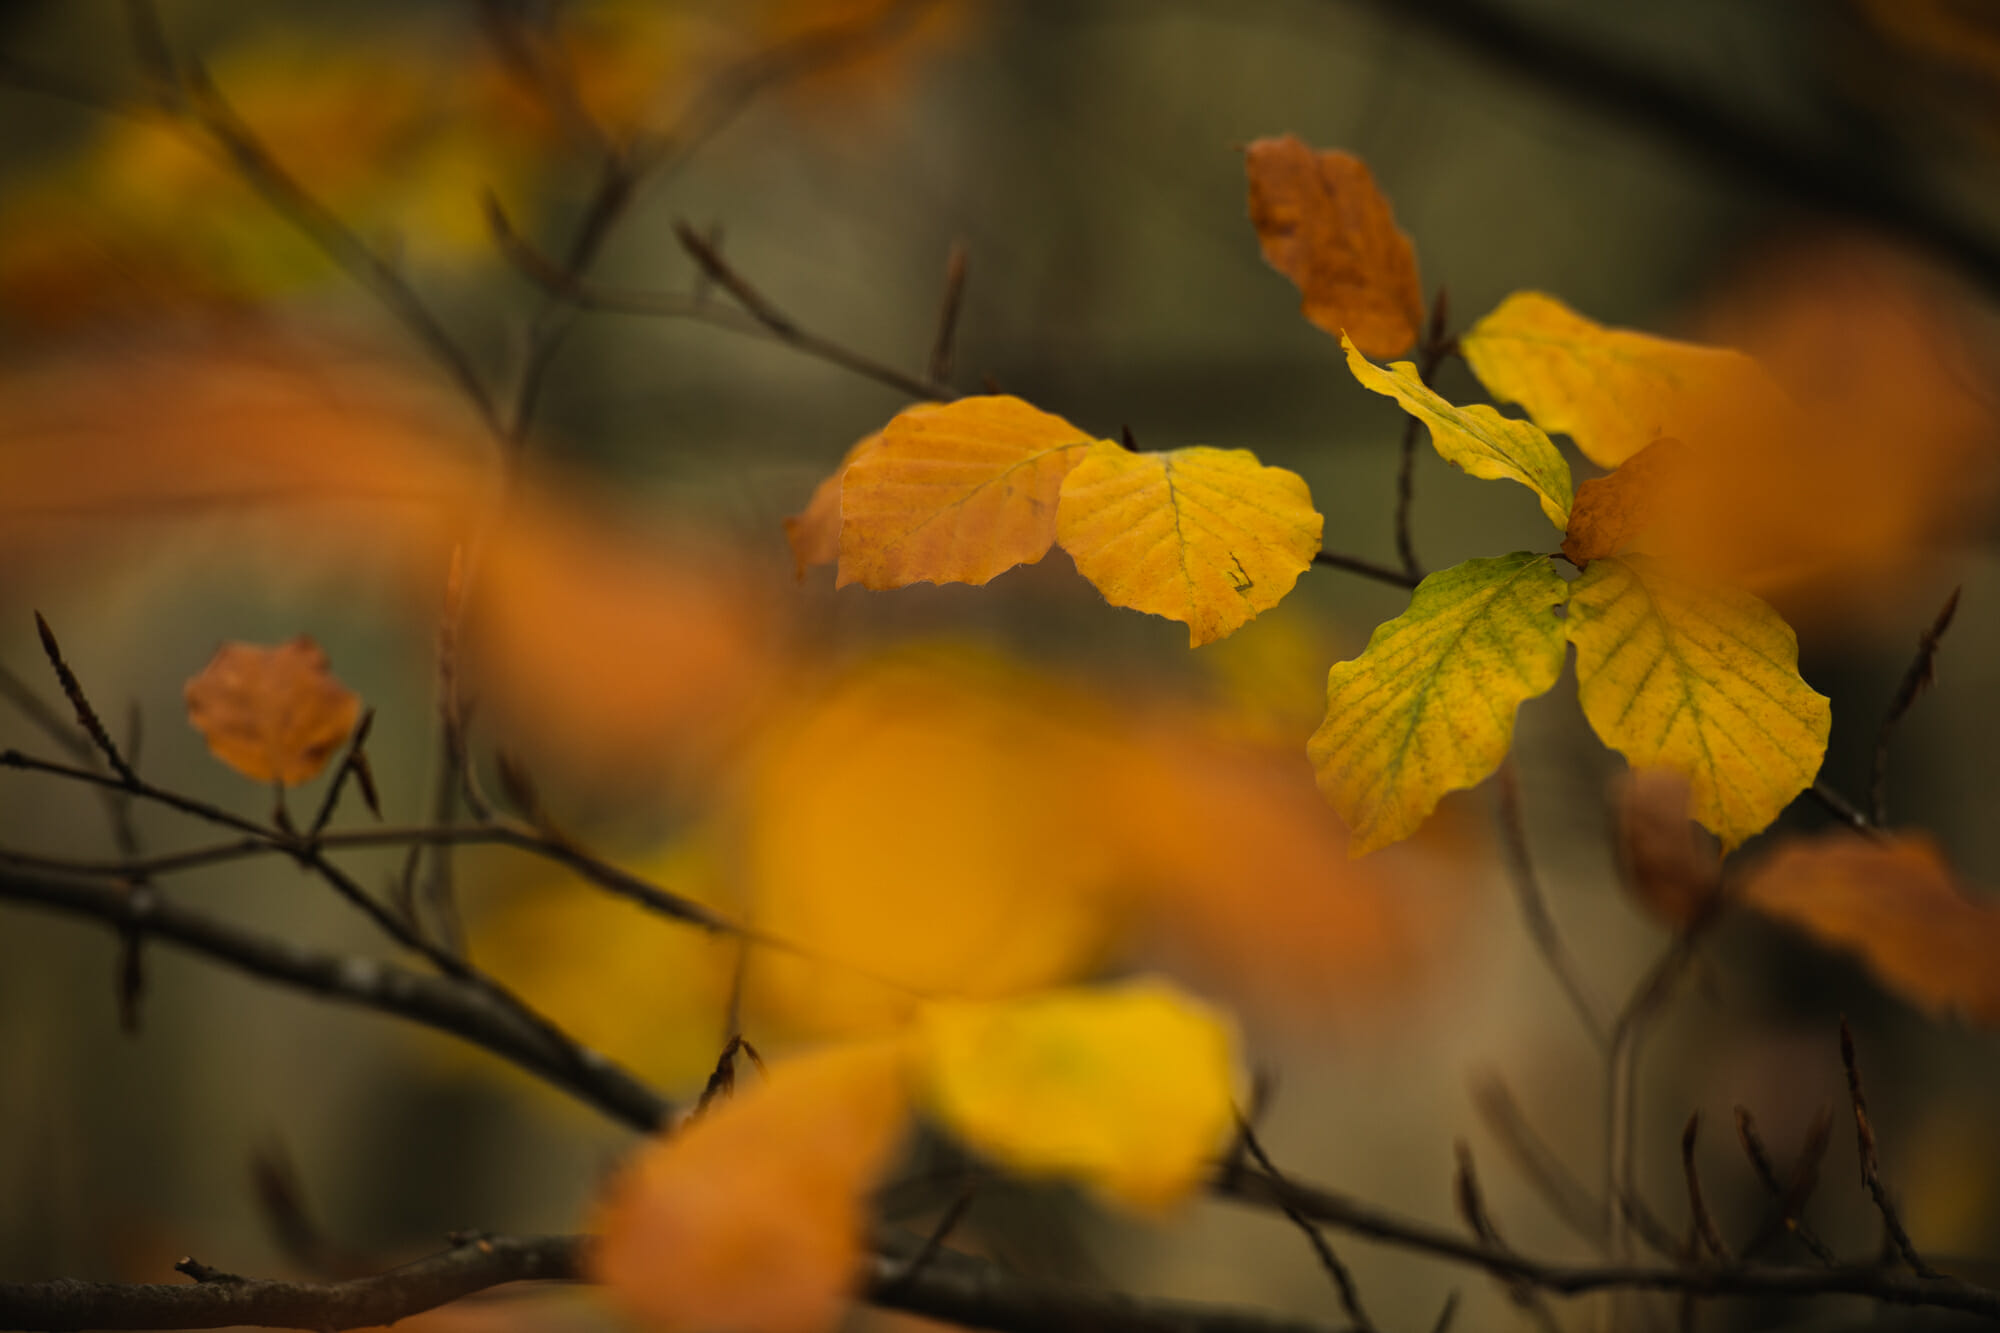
(1367, 569)
(1790, 1196)
(1871, 1170)
(944, 345)
(86, 716)
(1536, 1161)
(1922, 671)
(1704, 1224)
(1628, 1033)
(1842, 809)
(1548, 941)
(436, 1002)
(1343, 1280)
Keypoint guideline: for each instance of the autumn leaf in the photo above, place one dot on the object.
(1672, 866)
(750, 1219)
(1476, 439)
(1429, 707)
(1898, 905)
(955, 493)
(1700, 678)
(1208, 537)
(1126, 1088)
(1611, 512)
(1322, 223)
(1613, 391)
(272, 714)
(814, 532)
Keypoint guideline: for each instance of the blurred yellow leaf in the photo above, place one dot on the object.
(1699, 678)
(750, 1219)
(1476, 439)
(1323, 223)
(1429, 707)
(1613, 391)
(955, 493)
(273, 714)
(1611, 512)
(1900, 907)
(1126, 1088)
(1208, 537)
(814, 532)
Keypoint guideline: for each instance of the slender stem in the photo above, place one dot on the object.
(1367, 569)
(1535, 909)
(1922, 671)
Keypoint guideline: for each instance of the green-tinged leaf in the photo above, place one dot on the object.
(1613, 391)
(1702, 679)
(1429, 707)
(1476, 439)
(1208, 537)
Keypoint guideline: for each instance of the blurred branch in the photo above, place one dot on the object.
(1534, 906)
(1922, 671)
(1701, 123)
(443, 1003)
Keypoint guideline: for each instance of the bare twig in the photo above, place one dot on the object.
(1922, 671)
(1843, 809)
(1628, 1034)
(1536, 1161)
(354, 764)
(1367, 569)
(1548, 941)
(1790, 1196)
(86, 716)
(1871, 1170)
(1704, 1224)
(1343, 1280)
(944, 345)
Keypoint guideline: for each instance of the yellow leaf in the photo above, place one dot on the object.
(1323, 223)
(1127, 1089)
(1610, 512)
(1476, 439)
(272, 714)
(955, 493)
(1702, 679)
(1429, 707)
(1613, 391)
(1208, 537)
(1899, 906)
(814, 532)
(750, 1219)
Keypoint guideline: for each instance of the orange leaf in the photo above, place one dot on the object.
(1899, 906)
(1324, 224)
(272, 714)
(955, 493)
(1611, 511)
(750, 1219)
(814, 532)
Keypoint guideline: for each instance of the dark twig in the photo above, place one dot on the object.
(1922, 671)
(1431, 351)
(1343, 1280)
(944, 345)
(1367, 569)
(1548, 941)
(1446, 1315)
(1704, 1224)
(354, 764)
(1843, 809)
(86, 716)
(933, 1245)
(1871, 1170)
(1471, 1203)
(1791, 1195)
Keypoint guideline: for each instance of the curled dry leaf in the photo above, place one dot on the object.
(750, 1218)
(1126, 1088)
(1323, 223)
(955, 493)
(1899, 906)
(1673, 867)
(272, 714)
(1208, 537)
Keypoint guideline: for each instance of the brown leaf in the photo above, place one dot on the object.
(1610, 512)
(1672, 865)
(1900, 907)
(1324, 224)
(272, 714)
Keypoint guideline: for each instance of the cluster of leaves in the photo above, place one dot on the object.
(1674, 669)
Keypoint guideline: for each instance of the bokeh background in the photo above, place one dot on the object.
(209, 432)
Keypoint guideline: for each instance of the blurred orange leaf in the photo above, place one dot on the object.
(1672, 865)
(1610, 512)
(272, 714)
(750, 1218)
(1208, 537)
(1323, 223)
(955, 493)
(1125, 1088)
(1899, 906)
